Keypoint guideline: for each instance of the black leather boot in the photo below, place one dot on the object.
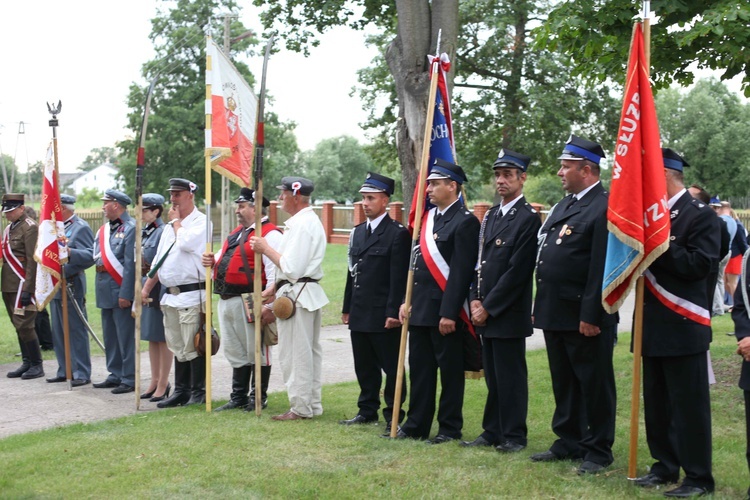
(26, 363)
(240, 386)
(197, 381)
(265, 376)
(181, 386)
(36, 369)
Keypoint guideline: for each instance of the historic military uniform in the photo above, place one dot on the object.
(503, 284)
(375, 285)
(569, 275)
(450, 238)
(676, 336)
(152, 319)
(115, 279)
(80, 257)
(18, 281)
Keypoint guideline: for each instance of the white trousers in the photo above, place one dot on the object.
(301, 359)
(238, 336)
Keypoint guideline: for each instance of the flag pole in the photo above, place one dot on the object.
(415, 234)
(635, 394)
(209, 246)
(258, 264)
(140, 164)
(54, 111)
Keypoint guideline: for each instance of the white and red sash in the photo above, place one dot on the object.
(114, 267)
(16, 266)
(438, 267)
(677, 304)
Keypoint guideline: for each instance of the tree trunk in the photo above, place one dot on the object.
(418, 24)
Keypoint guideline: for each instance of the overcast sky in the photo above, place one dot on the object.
(86, 53)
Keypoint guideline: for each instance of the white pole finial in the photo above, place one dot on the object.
(437, 50)
(646, 8)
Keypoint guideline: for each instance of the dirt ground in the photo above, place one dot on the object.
(32, 405)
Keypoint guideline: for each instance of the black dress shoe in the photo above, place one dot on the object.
(440, 439)
(589, 467)
(231, 405)
(148, 395)
(546, 456)
(686, 491)
(480, 441)
(510, 447)
(359, 419)
(400, 434)
(650, 480)
(107, 384)
(54, 380)
(123, 389)
(78, 382)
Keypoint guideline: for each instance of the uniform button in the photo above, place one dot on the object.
(484, 262)
(552, 229)
(360, 260)
(545, 244)
(541, 262)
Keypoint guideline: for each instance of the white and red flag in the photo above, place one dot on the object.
(233, 108)
(638, 214)
(51, 247)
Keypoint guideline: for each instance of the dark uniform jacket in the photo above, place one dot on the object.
(503, 282)
(457, 237)
(22, 242)
(376, 282)
(80, 255)
(570, 269)
(682, 271)
(742, 326)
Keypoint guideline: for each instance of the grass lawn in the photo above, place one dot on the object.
(186, 452)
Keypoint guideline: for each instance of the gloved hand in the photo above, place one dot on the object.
(25, 299)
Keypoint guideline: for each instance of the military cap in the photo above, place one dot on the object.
(67, 199)
(715, 202)
(247, 195)
(297, 185)
(376, 183)
(510, 159)
(577, 148)
(442, 169)
(119, 197)
(153, 200)
(11, 201)
(177, 184)
(673, 160)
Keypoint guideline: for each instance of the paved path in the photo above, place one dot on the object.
(31, 405)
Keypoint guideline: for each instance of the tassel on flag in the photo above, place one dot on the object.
(441, 142)
(638, 214)
(51, 248)
(233, 109)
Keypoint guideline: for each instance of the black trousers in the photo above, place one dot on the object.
(747, 430)
(677, 411)
(375, 353)
(507, 403)
(583, 383)
(428, 352)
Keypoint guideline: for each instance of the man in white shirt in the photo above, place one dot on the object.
(178, 266)
(298, 262)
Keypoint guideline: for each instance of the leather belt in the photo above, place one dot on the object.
(101, 269)
(305, 279)
(191, 287)
(227, 296)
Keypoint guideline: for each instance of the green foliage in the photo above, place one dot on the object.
(99, 156)
(338, 167)
(90, 197)
(596, 36)
(545, 189)
(8, 171)
(711, 128)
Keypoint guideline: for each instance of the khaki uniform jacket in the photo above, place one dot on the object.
(22, 241)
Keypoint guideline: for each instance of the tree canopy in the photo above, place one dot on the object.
(596, 35)
(338, 167)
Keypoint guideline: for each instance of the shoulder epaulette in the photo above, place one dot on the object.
(30, 221)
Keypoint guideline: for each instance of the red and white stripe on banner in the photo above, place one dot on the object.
(15, 265)
(677, 304)
(113, 266)
(439, 268)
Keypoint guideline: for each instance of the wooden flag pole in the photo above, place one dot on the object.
(209, 247)
(635, 393)
(258, 263)
(54, 111)
(415, 238)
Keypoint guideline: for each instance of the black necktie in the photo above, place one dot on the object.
(369, 231)
(438, 216)
(572, 202)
